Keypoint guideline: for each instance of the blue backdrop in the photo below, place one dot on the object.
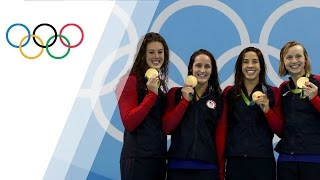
(90, 145)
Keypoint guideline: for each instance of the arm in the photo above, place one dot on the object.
(220, 139)
(316, 99)
(221, 134)
(173, 113)
(274, 115)
(132, 113)
(316, 102)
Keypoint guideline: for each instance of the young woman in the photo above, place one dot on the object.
(299, 148)
(191, 118)
(251, 124)
(141, 104)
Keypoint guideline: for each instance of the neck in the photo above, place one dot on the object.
(250, 85)
(201, 88)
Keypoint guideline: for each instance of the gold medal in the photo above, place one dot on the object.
(256, 95)
(191, 81)
(151, 72)
(302, 81)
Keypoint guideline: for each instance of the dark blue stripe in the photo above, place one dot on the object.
(190, 164)
(299, 158)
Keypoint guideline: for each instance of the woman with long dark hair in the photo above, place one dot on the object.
(251, 121)
(191, 118)
(142, 104)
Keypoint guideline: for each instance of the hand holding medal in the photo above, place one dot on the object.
(308, 88)
(189, 84)
(261, 100)
(153, 80)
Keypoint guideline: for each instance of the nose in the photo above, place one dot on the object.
(294, 59)
(156, 54)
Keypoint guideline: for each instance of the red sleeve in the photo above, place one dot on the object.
(132, 113)
(173, 113)
(226, 90)
(316, 100)
(221, 134)
(274, 115)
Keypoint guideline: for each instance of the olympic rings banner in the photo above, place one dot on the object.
(46, 48)
(44, 44)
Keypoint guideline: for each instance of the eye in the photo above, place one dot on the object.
(289, 57)
(150, 52)
(256, 61)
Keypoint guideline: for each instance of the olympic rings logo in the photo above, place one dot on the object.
(37, 39)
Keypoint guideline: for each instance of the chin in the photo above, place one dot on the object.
(202, 82)
(156, 67)
(251, 78)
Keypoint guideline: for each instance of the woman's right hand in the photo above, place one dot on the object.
(187, 92)
(153, 84)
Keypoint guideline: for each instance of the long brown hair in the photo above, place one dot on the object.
(140, 65)
(214, 78)
(239, 76)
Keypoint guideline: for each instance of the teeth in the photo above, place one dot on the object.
(294, 66)
(250, 72)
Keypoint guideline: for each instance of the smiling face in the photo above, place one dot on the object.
(251, 66)
(202, 68)
(295, 61)
(155, 55)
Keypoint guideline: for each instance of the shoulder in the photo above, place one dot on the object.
(273, 89)
(126, 80)
(317, 77)
(273, 92)
(174, 90)
(283, 84)
(132, 77)
(227, 90)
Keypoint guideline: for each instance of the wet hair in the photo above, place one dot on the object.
(239, 76)
(284, 51)
(140, 65)
(214, 78)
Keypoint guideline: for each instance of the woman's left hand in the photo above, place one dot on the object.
(310, 90)
(263, 103)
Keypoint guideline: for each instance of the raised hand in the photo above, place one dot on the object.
(153, 83)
